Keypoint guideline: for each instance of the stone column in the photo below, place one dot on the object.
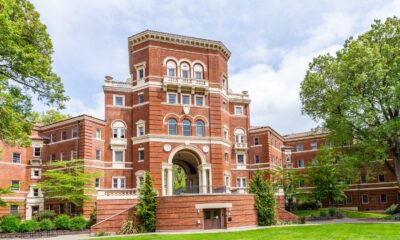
(169, 181)
(203, 180)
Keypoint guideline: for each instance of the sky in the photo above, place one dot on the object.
(272, 42)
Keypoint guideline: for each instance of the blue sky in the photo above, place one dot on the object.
(271, 42)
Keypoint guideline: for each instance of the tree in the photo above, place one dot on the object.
(356, 95)
(328, 176)
(146, 207)
(68, 182)
(49, 116)
(265, 199)
(179, 181)
(25, 70)
(290, 182)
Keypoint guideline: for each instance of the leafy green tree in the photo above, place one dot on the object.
(289, 180)
(49, 116)
(146, 207)
(328, 176)
(179, 180)
(356, 94)
(25, 70)
(68, 182)
(265, 199)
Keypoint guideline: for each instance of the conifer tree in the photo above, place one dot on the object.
(146, 208)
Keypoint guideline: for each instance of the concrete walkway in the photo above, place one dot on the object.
(309, 223)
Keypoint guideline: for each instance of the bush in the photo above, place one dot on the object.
(10, 223)
(302, 219)
(332, 211)
(323, 214)
(393, 209)
(93, 217)
(47, 214)
(29, 226)
(129, 227)
(78, 223)
(101, 234)
(62, 222)
(46, 225)
(310, 205)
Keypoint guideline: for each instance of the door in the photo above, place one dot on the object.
(212, 219)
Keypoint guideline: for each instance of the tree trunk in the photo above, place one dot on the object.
(396, 159)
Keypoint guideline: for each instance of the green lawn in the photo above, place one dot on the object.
(347, 213)
(320, 232)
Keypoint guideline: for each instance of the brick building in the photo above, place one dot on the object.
(176, 111)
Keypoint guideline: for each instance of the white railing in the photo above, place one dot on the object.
(186, 81)
(117, 193)
(126, 84)
(118, 141)
(240, 145)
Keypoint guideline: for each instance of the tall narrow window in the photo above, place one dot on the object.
(53, 137)
(171, 69)
(172, 127)
(198, 72)
(74, 132)
(199, 128)
(36, 151)
(63, 135)
(141, 98)
(299, 147)
(186, 128)
(16, 157)
(185, 70)
(98, 133)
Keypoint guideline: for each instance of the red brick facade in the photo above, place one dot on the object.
(176, 109)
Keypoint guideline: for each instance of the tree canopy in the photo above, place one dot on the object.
(25, 70)
(356, 95)
(49, 116)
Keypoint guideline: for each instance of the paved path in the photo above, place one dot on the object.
(334, 221)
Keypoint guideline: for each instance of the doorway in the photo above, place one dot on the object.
(214, 218)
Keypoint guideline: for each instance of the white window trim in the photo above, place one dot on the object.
(118, 182)
(95, 183)
(19, 185)
(139, 124)
(190, 99)
(238, 106)
(95, 154)
(62, 133)
(227, 154)
(244, 159)
(33, 175)
(99, 131)
(241, 182)
(298, 165)
(123, 155)
(61, 156)
(33, 151)
(195, 102)
(255, 158)
(227, 133)
(20, 158)
(138, 75)
(141, 149)
(138, 97)
(302, 147)
(254, 141)
(115, 100)
(362, 199)
(72, 132)
(176, 98)
(72, 155)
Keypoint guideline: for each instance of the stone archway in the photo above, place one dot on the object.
(197, 171)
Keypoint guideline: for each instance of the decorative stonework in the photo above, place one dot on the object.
(167, 147)
(206, 149)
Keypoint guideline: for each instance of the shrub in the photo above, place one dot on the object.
(46, 225)
(129, 227)
(78, 223)
(10, 223)
(332, 211)
(29, 226)
(265, 199)
(393, 209)
(101, 234)
(310, 205)
(62, 222)
(93, 217)
(146, 207)
(46, 214)
(302, 219)
(323, 214)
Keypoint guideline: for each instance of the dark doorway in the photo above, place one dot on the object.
(213, 219)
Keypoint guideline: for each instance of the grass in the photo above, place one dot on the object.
(321, 232)
(347, 213)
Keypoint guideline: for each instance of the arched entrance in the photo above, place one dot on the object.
(186, 172)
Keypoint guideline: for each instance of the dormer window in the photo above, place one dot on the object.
(185, 70)
(198, 72)
(118, 129)
(171, 69)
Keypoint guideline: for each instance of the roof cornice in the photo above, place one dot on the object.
(178, 39)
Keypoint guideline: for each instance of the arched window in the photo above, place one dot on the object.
(185, 70)
(198, 72)
(171, 68)
(186, 128)
(199, 128)
(118, 129)
(172, 130)
(239, 136)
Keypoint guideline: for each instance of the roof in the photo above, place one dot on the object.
(254, 129)
(72, 119)
(178, 39)
(311, 133)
